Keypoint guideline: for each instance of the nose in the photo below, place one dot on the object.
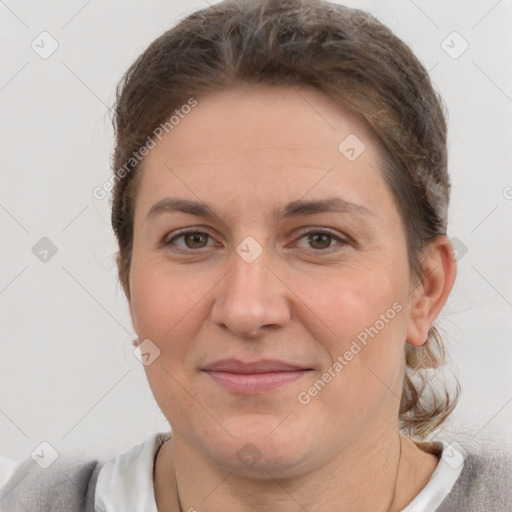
(252, 297)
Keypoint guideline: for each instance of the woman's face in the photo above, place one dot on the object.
(300, 259)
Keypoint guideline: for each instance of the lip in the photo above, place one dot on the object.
(254, 377)
(261, 366)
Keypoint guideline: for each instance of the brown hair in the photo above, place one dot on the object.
(345, 53)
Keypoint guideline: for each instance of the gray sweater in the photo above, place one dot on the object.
(68, 485)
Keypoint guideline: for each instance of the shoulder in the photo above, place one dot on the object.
(67, 485)
(73, 484)
(485, 484)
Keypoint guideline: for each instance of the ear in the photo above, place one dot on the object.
(429, 297)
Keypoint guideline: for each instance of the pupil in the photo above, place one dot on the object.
(195, 238)
(326, 238)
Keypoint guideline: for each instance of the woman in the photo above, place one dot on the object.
(280, 203)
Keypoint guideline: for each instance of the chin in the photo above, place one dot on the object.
(261, 447)
(252, 462)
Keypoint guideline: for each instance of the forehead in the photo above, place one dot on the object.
(276, 117)
(258, 144)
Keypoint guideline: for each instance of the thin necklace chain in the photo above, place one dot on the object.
(397, 471)
(394, 488)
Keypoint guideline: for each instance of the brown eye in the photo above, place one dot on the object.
(189, 240)
(195, 240)
(319, 240)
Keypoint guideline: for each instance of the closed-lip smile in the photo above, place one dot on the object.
(254, 377)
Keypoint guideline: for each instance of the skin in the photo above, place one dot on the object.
(246, 152)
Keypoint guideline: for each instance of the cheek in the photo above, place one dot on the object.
(350, 300)
(363, 327)
(162, 301)
(165, 308)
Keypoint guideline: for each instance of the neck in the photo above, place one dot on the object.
(382, 475)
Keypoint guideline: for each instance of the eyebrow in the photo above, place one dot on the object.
(296, 208)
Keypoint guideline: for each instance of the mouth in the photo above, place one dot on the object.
(254, 377)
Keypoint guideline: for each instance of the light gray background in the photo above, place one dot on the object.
(67, 372)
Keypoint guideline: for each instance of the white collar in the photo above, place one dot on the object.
(126, 481)
(442, 480)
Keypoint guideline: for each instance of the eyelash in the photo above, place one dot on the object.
(341, 241)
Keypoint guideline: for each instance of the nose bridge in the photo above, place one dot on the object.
(250, 270)
(248, 284)
(250, 261)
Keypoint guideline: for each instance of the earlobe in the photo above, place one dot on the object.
(429, 297)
